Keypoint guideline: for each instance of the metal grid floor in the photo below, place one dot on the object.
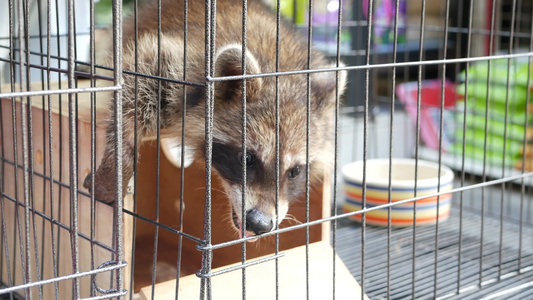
(496, 283)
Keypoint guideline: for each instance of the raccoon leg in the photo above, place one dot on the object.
(173, 150)
(105, 176)
(147, 99)
(147, 122)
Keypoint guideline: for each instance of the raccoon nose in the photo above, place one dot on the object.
(258, 222)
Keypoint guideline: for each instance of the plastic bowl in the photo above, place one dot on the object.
(402, 187)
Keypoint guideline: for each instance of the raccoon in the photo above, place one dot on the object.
(227, 153)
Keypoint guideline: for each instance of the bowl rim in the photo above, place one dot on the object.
(447, 174)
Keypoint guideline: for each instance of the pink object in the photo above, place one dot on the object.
(430, 102)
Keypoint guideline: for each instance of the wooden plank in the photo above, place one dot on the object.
(50, 244)
(59, 102)
(169, 194)
(128, 237)
(193, 222)
(326, 206)
(261, 279)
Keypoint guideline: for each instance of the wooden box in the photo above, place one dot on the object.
(96, 245)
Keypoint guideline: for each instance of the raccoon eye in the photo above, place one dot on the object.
(294, 172)
(250, 159)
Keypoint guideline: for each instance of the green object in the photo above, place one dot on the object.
(104, 10)
(517, 94)
(499, 70)
(515, 131)
(287, 8)
(478, 154)
(516, 113)
(477, 138)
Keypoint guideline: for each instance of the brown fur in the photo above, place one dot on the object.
(260, 95)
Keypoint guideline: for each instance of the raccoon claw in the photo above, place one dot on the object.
(99, 193)
(87, 182)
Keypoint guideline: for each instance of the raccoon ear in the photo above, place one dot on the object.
(228, 62)
(323, 85)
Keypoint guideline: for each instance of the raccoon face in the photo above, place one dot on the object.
(260, 203)
(259, 163)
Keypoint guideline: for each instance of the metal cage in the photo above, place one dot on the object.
(447, 82)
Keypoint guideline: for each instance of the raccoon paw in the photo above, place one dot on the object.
(172, 149)
(100, 192)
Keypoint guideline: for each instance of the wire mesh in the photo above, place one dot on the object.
(46, 218)
(172, 222)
